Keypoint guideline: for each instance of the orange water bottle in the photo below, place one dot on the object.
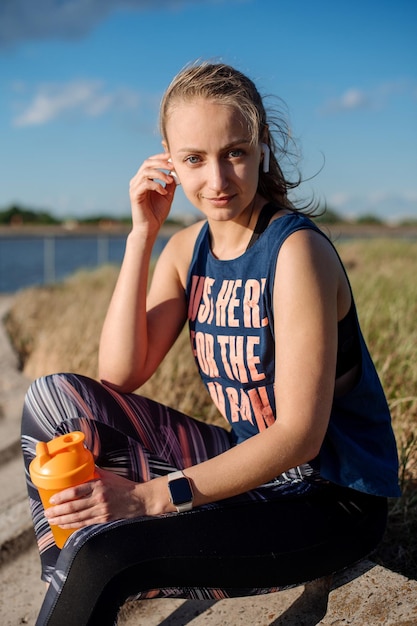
(60, 463)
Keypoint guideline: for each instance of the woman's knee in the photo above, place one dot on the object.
(46, 402)
(47, 385)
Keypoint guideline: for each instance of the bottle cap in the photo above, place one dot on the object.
(62, 462)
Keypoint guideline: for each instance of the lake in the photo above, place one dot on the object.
(27, 260)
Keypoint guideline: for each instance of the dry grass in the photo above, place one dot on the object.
(57, 328)
(383, 275)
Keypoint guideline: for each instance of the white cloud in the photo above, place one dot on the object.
(22, 20)
(83, 97)
(376, 97)
(349, 100)
(353, 99)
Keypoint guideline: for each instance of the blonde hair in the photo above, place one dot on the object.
(225, 84)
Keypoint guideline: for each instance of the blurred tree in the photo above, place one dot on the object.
(16, 216)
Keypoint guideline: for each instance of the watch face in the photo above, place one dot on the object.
(180, 491)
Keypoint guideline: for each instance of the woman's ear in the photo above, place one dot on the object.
(174, 175)
(172, 172)
(266, 152)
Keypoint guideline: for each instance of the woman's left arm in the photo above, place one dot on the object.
(307, 281)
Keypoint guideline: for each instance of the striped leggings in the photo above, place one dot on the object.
(141, 439)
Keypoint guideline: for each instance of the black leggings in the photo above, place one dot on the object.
(237, 550)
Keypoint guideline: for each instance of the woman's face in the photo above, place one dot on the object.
(209, 145)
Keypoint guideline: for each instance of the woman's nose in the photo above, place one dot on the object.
(217, 178)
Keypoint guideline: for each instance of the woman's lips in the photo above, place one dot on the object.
(221, 201)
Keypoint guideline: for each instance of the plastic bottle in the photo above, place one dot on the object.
(60, 463)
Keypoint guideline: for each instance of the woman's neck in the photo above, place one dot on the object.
(230, 239)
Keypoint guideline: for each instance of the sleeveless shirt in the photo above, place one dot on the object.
(231, 323)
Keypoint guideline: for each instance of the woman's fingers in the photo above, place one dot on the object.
(151, 191)
(152, 170)
(105, 499)
(77, 505)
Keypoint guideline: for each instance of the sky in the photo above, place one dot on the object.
(81, 82)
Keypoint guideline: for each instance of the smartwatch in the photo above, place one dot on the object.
(181, 494)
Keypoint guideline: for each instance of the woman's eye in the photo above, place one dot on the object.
(235, 154)
(192, 159)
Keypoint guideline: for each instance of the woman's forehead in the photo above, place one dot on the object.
(205, 116)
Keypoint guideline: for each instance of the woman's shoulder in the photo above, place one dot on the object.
(307, 253)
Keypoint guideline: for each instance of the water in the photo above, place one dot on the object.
(29, 260)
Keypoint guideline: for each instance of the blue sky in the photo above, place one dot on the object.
(81, 81)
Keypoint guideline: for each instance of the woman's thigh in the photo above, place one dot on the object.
(231, 548)
(117, 424)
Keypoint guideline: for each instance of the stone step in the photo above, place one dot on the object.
(21, 588)
(13, 386)
(16, 527)
(16, 530)
(11, 405)
(13, 485)
(15, 521)
(364, 595)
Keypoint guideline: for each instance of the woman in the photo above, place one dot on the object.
(274, 331)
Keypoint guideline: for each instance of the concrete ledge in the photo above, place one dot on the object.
(15, 521)
(364, 595)
(13, 386)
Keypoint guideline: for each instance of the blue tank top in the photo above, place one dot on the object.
(231, 322)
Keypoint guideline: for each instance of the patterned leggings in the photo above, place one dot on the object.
(141, 439)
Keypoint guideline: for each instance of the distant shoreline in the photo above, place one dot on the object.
(340, 229)
(368, 230)
(32, 230)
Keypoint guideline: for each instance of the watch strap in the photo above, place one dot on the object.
(175, 475)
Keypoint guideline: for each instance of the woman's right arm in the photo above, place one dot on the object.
(139, 329)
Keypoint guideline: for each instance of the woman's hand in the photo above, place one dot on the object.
(150, 199)
(108, 498)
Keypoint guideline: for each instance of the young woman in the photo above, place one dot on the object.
(310, 458)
